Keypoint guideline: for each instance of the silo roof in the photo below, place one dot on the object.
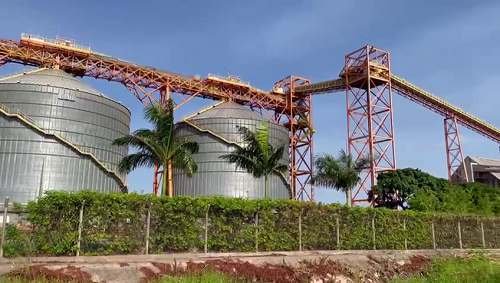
(227, 109)
(52, 77)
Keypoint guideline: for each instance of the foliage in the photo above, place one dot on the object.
(117, 224)
(403, 183)
(341, 173)
(420, 191)
(159, 146)
(445, 270)
(16, 242)
(197, 278)
(259, 157)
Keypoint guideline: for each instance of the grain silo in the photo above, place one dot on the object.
(56, 134)
(215, 130)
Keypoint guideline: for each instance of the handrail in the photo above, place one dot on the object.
(211, 132)
(53, 41)
(442, 102)
(204, 110)
(400, 84)
(32, 123)
(15, 75)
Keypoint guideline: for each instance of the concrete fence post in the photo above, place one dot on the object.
(4, 224)
(257, 232)
(433, 235)
(338, 232)
(373, 232)
(459, 234)
(406, 238)
(148, 227)
(206, 229)
(300, 230)
(80, 227)
(482, 235)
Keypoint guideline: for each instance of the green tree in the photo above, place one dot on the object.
(158, 146)
(341, 173)
(259, 157)
(410, 188)
(395, 188)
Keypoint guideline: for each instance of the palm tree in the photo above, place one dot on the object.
(158, 146)
(259, 157)
(341, 173)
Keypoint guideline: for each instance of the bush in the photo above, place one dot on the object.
(116, 224)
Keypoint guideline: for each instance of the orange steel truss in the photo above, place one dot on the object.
(297, 117)
(369, 114)
(366, 78)
(454, 153)
(148, 85)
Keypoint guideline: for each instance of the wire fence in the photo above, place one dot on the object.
(90, 231)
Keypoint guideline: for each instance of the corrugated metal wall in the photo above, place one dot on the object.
(216, 176)
(65, 105)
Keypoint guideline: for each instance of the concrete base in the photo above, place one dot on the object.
(125, 269)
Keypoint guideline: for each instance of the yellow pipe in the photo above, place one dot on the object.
(212, 133)
(203, 110)
(22, 74)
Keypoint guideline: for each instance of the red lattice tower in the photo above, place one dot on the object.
(454, 153)
(370, 122)
(297, 118)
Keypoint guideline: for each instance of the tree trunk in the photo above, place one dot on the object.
(165, 180)
(266, 191)
(347, 197)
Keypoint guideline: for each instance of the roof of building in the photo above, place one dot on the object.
(485, 161)
(227, 109)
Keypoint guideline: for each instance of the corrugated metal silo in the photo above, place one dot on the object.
(215, 131)
(56, 133)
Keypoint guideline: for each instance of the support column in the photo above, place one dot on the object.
(370, 122)
(457, 172)
(297, 118)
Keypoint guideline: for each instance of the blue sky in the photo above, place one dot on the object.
(449, 48)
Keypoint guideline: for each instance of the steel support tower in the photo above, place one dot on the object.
(457, 173)
(297, 118)
(370, 122)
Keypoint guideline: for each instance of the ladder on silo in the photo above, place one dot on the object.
(33, 124)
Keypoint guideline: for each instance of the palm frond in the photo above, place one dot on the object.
(276, 154)
(286, 182)
(244, 160)
(262, 137)
(183, 160)
(135, 160)
(326, 181)
(190, 146)
(362, 163)
(159, 145)
(162, 117)
(247, 135)
(328, 170)
(181, 155)
(140, 143)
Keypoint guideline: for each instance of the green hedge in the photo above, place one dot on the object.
(117, 224)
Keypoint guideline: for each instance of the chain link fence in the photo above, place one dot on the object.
(88, 229)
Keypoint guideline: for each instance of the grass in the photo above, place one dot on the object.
(457, 270)
(192, 278)
(198, 278)
(24, 281)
